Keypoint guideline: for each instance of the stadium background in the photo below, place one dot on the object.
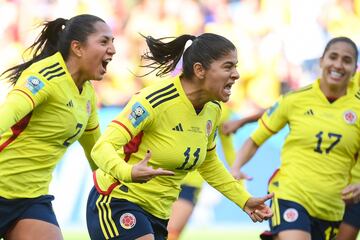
(279, 43)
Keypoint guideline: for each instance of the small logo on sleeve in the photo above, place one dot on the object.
(127, 221)
(138, 114)
(34, 84)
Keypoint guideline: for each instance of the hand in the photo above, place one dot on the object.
(351, 194)
(231, 126)
(257, 209)
(141, 172)
(238, 175)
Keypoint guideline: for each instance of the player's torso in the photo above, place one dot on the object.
(319, 151)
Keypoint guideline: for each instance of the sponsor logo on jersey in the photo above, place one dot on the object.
(34, 84)
(138, 114)
(291, 215)
(350, 117)
(127, 221)
(208, 127)
(178, 128)
(70, 104)
(309, 112)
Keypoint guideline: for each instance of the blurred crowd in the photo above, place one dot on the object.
(279, 41)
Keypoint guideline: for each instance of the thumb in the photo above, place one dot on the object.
(267, 197)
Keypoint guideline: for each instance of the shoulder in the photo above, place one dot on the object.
(299, 92)
(160, 94)
(48, 68)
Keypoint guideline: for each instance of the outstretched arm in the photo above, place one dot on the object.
(232, 126)
(244, 155)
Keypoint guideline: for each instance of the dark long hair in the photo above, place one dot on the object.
(205, 49)
(342, 39)
(56, 36)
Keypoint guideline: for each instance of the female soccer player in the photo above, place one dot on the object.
(170, 125)
(51, 106)
(319, 150)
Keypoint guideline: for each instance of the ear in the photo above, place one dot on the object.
(75, 47)
(199, 70)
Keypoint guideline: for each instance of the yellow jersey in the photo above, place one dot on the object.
(161, 118)
(55, 116)
(320, 149)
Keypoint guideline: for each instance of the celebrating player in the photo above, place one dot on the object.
(319, 150)
(170, 125)
(51, 106)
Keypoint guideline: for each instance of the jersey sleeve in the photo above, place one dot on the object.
(28, 92)
(272, 121)
(135, 117)
(215, 173)
(12, 110)
(33, 86)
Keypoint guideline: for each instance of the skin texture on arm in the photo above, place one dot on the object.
(230, 127)
(244, 155)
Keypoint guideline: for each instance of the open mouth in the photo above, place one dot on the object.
(227, 88)
(105, 62)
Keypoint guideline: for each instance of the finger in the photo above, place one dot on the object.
(347, 190)
(146, 158)
(161, 172)
(258, 216)
(251, 215)
(268, 196)
(264, 213)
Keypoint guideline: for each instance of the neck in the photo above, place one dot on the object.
(73, 69)
(195, 93)
(332, 92)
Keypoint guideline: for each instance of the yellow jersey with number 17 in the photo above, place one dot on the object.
(30, 149)
(320, 149)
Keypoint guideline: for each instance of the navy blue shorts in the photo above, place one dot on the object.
(189, 193)
(13, 210)
(352, 215)
(112, 218)
(289, 215)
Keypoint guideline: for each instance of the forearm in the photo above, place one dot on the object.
(245, 154)
(106, 157)
(215, 173)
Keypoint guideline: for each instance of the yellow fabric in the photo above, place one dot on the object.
(319, 150)
(163, 120)
(14, 108)
(194, 179)
(31, 148)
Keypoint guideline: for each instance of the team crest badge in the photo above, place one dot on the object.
(34, 84)
(138, 114)
(127, 221)
(208, 127)
(350, 117)
(291, 215)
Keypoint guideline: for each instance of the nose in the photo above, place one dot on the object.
(111, 49)
(235, 75)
